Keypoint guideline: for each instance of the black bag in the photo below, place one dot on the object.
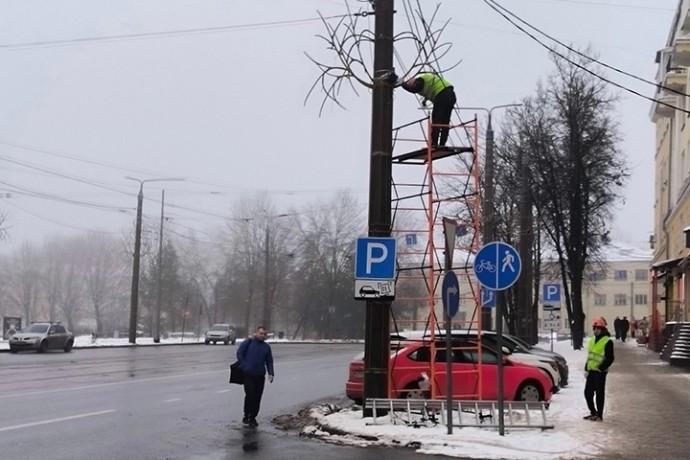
(236, 373)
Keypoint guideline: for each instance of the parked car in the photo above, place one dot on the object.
(517, 353)
(221, 332)
(560, 360)
(410, 374)
(42, 337)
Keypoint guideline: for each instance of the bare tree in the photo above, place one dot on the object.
(103, 269)
(23, 281)
(350, 39)
(571, 139)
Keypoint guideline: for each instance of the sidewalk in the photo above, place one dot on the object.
(647, 407)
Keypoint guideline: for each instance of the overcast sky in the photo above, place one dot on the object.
(225, 108)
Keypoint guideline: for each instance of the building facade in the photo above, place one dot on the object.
(670, 263)
(619, 287)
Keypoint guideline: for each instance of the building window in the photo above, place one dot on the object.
(599, 299)
(620, 275)
(640, 299)
(641, 275)
(620, 299)
(595, 277)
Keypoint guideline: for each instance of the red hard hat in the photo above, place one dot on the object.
(599, 322)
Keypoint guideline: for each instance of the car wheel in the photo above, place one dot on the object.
(233, 341)
(215, 342)
(68, 346)
(207, 342)
(226, 342)
(43, 347)
(412, 391)
(530, 391)
(13, 350)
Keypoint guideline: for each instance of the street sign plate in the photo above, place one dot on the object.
(488, 298)
(497, 266)
(551, 293)
(375, 258)
(374, 289)
(451, 293)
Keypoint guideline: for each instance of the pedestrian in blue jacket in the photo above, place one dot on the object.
(255, 358)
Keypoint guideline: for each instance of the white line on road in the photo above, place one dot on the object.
(55, 420)
(173, 400)
(223, 391)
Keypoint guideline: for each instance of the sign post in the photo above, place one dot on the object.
(497, 266)
(552, 313)
(451, 302)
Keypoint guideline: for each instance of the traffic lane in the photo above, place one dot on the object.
(107, 365)
(192, 410)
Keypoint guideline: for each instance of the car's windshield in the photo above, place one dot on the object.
(522, 343)
(219, 328)
(36, 328)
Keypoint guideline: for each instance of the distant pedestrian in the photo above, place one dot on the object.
(256, 359)
(625, 326)
(633, 328)
(643, 325)
(617, 327)
(599, 359)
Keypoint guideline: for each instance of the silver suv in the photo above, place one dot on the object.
(42, 337)
(221, 333)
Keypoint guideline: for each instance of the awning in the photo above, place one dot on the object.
(666, 265)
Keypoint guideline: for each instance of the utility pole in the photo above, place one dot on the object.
(267, 308)
(159, 293)
(134, 298)
(526, 331)
(377, 326)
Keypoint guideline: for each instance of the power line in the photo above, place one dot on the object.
(163, 34)
(14, 205)
(490, 3)
(603, 64)
(609, 5)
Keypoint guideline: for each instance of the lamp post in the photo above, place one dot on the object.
(134, 302)
(488, 237)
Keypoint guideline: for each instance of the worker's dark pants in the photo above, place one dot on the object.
(596, 383)
(624, 335)
(443, 108)
(253, 390)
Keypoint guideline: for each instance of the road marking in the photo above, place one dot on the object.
(173, 400)
(55, 420)
(223, 391)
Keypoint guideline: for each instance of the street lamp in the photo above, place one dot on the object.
(134, 304)
(488, 237)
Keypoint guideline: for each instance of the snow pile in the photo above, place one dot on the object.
(572, 438)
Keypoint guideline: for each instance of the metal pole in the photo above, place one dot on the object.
(377, 325)
(499, 344)
(449, 347)
(632, 299)
(488, 208)
(159, 293)
(134, 302)
(267, 309)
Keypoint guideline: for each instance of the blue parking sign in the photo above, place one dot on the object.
(375, 258)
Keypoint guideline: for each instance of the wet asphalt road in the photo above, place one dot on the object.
(165, 402)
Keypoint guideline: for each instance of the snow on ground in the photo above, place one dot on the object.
(572, 438)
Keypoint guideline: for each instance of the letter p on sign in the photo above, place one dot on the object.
(372, 250)
(552, 293)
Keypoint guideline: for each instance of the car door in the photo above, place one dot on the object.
(487, 387)
(53, 337)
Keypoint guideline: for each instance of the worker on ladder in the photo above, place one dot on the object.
(439, 91)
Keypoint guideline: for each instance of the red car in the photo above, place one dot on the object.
(410, 365)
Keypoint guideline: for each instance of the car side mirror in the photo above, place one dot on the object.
(506, 350)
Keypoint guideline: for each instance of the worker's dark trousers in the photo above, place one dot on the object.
(596, 383)
(253, 390)
(443, 108)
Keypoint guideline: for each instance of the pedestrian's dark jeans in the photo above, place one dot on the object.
(253, 390)
(596, 384)
(443, 108)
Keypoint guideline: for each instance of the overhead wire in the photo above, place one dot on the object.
(491, 3)
(590, 58)
(164, 34)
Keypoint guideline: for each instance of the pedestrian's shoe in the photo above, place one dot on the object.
(596, 418)
(245, 420)
(253, 423)
(589, 417)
